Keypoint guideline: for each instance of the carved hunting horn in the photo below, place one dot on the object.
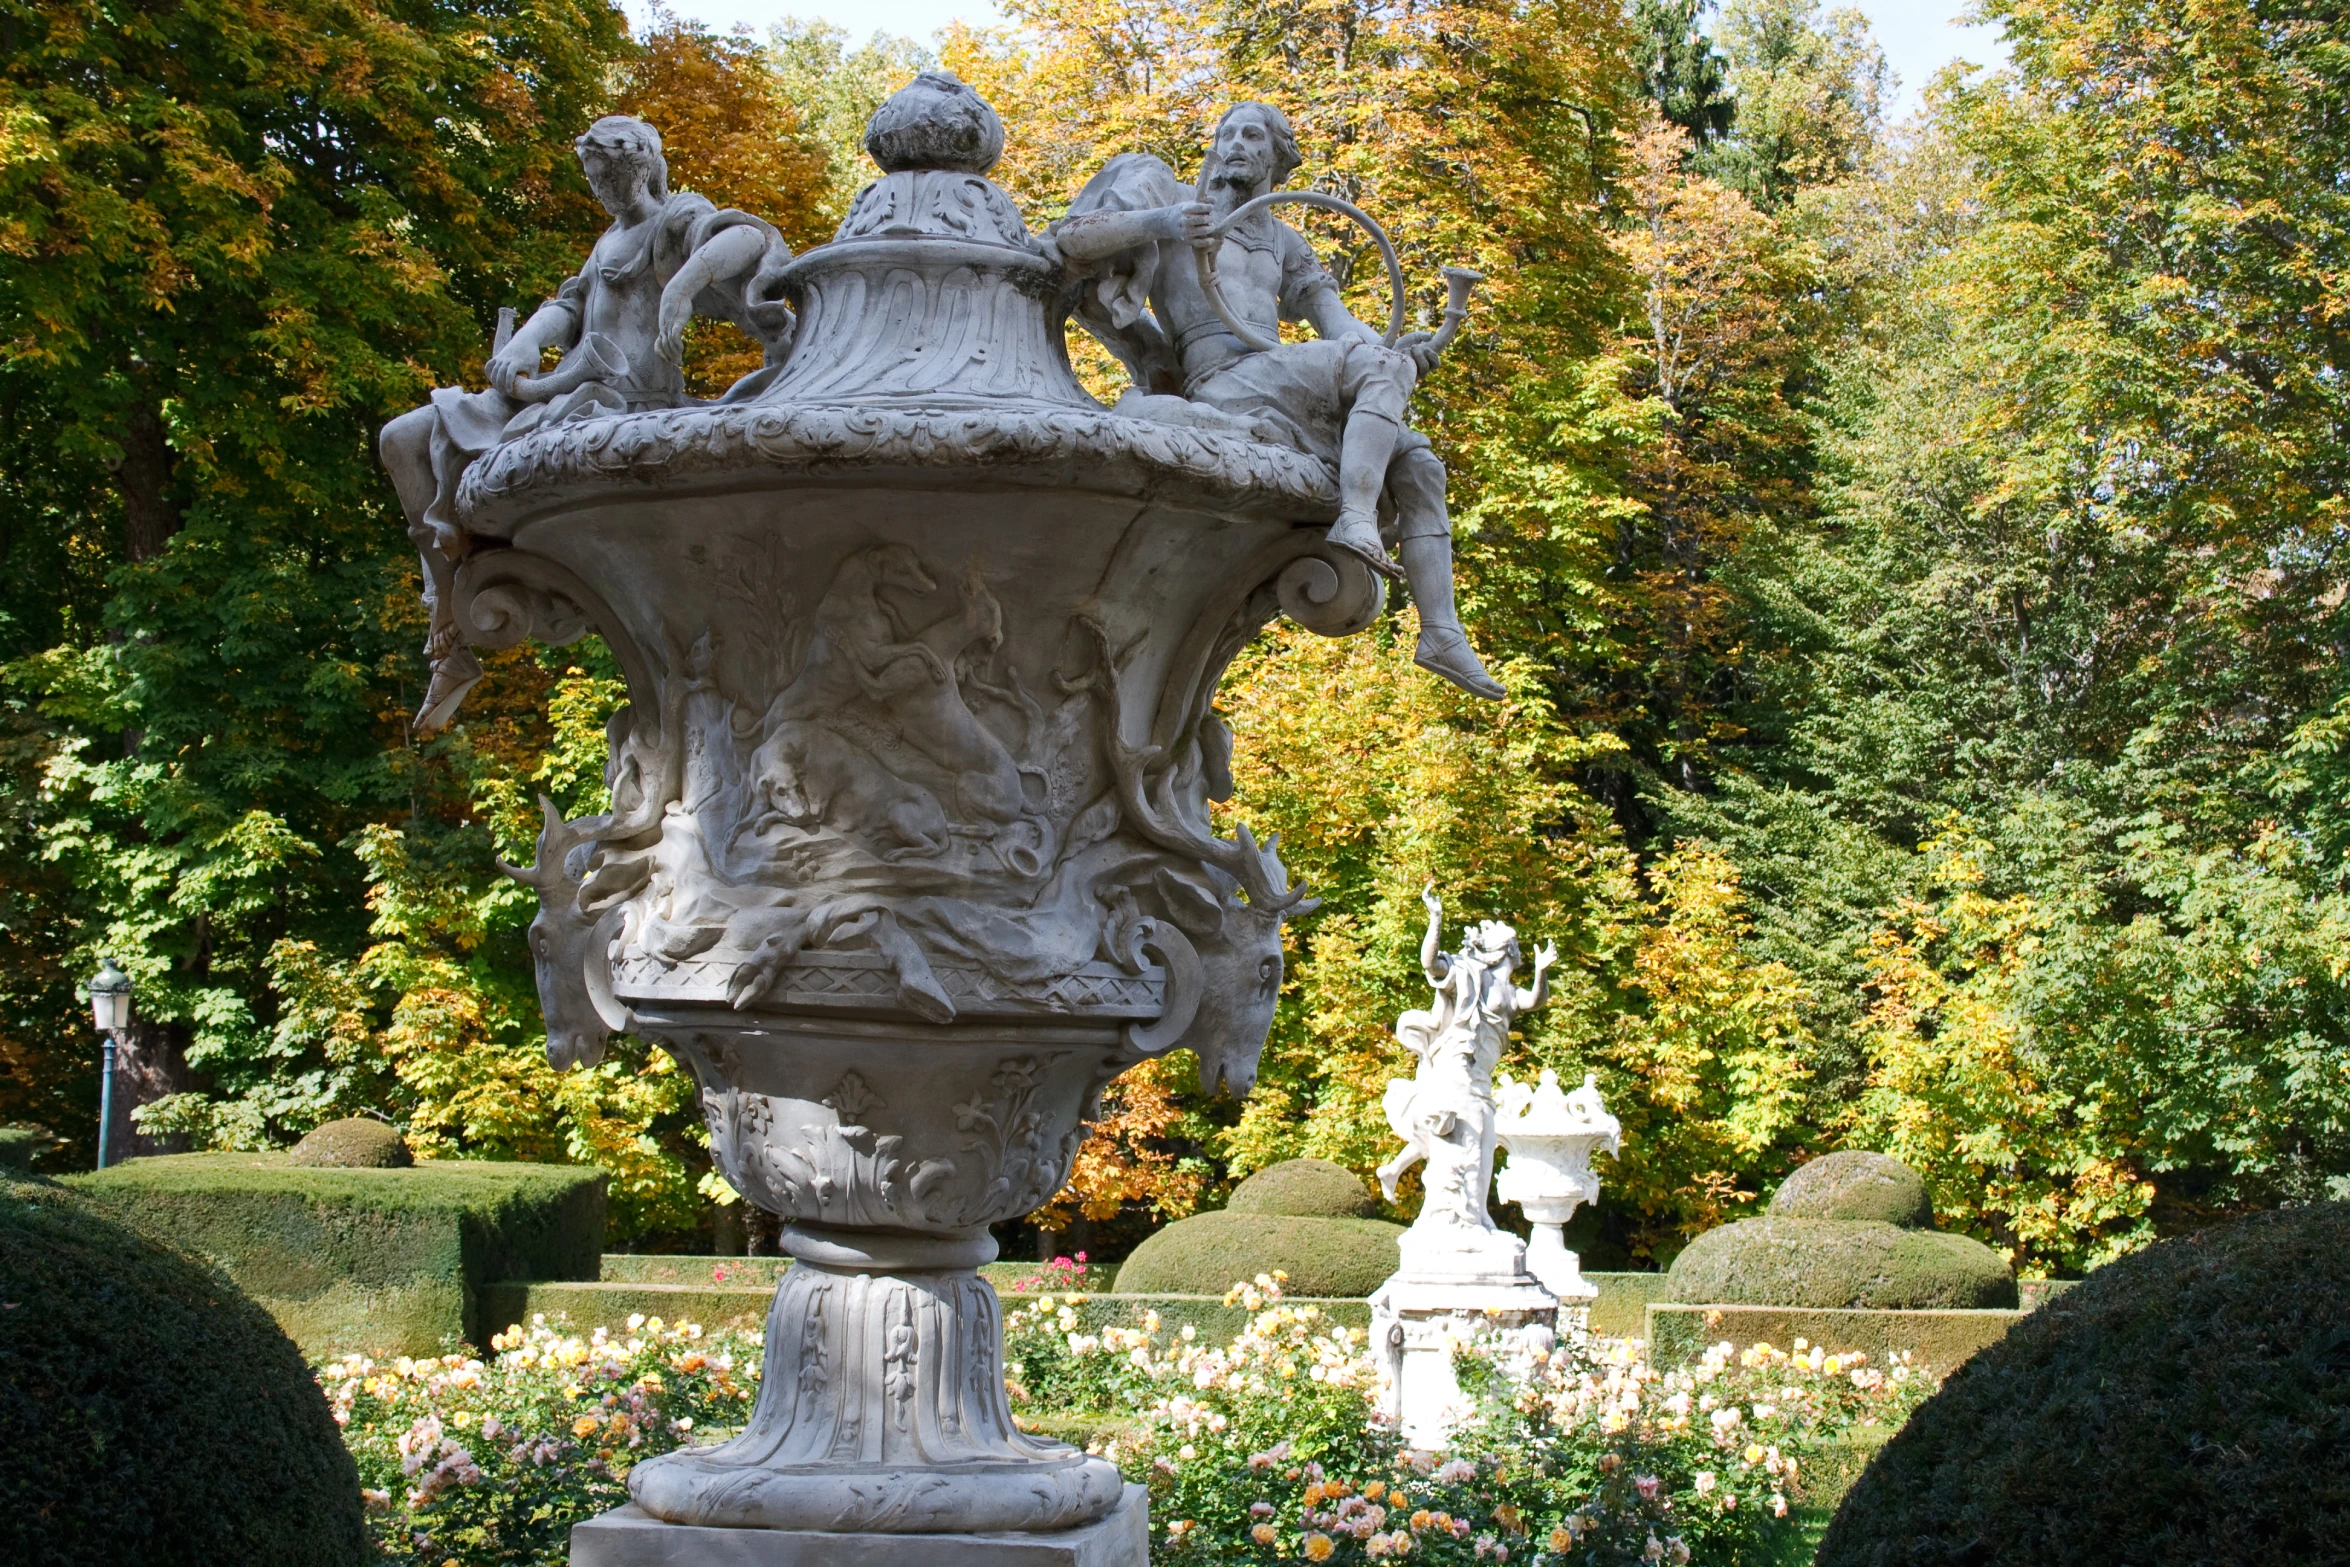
(1458, 281)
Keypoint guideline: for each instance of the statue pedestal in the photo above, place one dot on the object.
(1419, 1315)
(629, 1537)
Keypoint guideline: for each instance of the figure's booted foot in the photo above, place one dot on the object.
(1447, 653)
(1357, 533)
(453, 674)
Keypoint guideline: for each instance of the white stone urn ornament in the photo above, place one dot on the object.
(908, 852)
(1551, 1137)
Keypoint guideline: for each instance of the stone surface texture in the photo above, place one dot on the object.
(908, 851)
(1551, 1137)
(630, 1537)
(1460, 1277)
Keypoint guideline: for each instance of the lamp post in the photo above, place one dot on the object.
(110, 1010)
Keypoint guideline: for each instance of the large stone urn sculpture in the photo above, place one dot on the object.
(908, 851)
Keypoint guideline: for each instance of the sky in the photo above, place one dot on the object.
(1920, 36)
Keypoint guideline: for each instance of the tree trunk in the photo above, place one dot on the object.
(151, 1061)
(150, 516)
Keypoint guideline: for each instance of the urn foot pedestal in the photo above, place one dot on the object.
(881, 1408)
(629, 1537)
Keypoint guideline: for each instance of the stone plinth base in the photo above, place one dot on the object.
(1416, 1322)
(625, 1537)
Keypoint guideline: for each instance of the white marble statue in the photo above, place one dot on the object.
(909, 848)
(1210, 335)
(1458, 1276)
(1445, 1112)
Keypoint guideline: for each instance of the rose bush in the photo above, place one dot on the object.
(1268, 1449)
(491, 1462)
(1264, 1449)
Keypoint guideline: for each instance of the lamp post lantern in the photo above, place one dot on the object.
(110, 1011)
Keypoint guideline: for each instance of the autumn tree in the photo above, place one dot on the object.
(231, 239)
(731, 133)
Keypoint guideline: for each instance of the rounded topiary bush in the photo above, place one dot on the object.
(1856, 1185)
(1306, 1189)
(2190, 1403)
(353, 1143)
(1208, 1253)
(154, 1414)
(1839, 1263)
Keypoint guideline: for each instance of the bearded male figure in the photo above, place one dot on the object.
(1340, 397)
(618, 323)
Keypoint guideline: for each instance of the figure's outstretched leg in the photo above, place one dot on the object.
(1378, 386)
(1425, 532)
(1392, 1171)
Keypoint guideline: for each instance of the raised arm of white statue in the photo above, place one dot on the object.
(1528, 1000)
(1433, 961)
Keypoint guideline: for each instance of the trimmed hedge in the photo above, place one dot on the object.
(1840, 1263)
(1855, 1185)
(1305, 1189)
(2190, 1403)
(154, 1415)
(386, 1260)
(1936, 1341)
(1206, 1253)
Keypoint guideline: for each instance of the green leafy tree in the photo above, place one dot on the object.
(1685, 75)
(1810, 90)
(231, 238)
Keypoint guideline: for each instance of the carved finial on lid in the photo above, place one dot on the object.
(935, 122)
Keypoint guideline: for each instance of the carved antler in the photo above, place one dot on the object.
(1154, 812)
(556, 841)
(1151, 807)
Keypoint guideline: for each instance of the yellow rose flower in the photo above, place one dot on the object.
(1262, 1534)
(584, 1426)
(1317, 1547)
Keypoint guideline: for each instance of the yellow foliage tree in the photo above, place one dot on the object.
(1713, 1045)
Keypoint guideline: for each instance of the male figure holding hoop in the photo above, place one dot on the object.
(1341, 397)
